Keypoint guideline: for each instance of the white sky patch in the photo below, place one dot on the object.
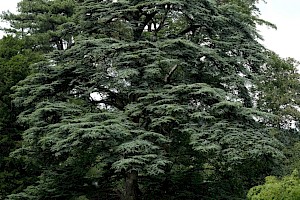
(6, 5)
(285, 14)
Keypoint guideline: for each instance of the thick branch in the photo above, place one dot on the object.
(162, 22)
(188, 29)
(140, 29)
(171, 72)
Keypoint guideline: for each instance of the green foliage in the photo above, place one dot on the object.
(278, 94)
(150, 102)
(279, 86)
(15, 59)
(287, 188)
(43, 24)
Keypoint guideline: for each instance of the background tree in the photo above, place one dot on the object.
(44, 24)
(39, 27)
(15, 60)
(279, 90)
(279, 94)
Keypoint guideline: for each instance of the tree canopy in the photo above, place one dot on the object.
(146, 99)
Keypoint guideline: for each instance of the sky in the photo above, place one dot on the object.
(5, 5)
(285, 14)
(8, 4)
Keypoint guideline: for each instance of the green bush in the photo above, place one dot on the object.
(287, 188)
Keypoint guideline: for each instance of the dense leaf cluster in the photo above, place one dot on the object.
(145, 100)
(15, 60)
(274, 188)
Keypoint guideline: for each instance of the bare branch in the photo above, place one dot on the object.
(171, 72)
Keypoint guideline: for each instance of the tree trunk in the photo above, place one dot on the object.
(131, 186)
